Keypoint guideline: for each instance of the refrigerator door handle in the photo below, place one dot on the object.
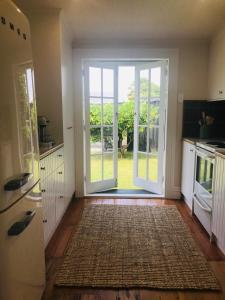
(19, 226)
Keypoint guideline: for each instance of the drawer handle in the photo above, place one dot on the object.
(21, 225)
(60, 173)
(59, 155)
(70, 127)
(45, 221)
(43, 191)
(61, 197)
(220, 92)
(42, 168)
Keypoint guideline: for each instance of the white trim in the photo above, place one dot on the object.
(128, 54)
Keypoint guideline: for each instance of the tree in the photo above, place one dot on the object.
(126, 114)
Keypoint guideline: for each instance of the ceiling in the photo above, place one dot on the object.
(137, 19)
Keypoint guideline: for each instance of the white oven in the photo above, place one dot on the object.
(203, 187)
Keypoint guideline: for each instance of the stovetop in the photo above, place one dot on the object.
(212, 146)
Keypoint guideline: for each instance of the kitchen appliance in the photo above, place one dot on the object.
(203, 187)
(22, 267)
(45, 140)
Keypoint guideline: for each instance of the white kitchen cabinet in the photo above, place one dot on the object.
(218, 210)
(55, 199)
(188, 172)
(216, 67)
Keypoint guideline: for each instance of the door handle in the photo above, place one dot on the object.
(20, 226)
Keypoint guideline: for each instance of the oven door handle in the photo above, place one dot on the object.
(205, 208)
(205, 154)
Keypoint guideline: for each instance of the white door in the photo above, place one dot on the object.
(149, 126)
(101, 129)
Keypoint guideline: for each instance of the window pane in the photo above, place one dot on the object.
(95, 140)
(144, 84)
(108, 166)
(154, 111)
(108, 83)
(153, 139)
(155, 82)
(108, 109)
(142, 139)
(108, 139)
(142, 165)
(143, 109)
(153, 168)
(96, 167)
(95, 111)
(95, 82)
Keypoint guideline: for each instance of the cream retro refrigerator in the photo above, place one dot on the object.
(22, 267)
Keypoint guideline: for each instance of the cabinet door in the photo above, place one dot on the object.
(218, 211)
(188, 170)
(59, 193)
(69, 164)
(48, 199)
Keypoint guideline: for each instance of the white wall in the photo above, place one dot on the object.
(68, 105)
(190, 79)
(45, 36)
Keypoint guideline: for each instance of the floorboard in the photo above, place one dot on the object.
(59, 242)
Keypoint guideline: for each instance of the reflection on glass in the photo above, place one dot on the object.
(153, 139)
(144, 84)
(108, 110)
(108, 139)
(95, 111)
(96, 167)
(142, 165)
(142, 139)
(95, 82)
(155, 82)
(154, 112)
(108, 82)
(143, 110)
(108, 166)
(153, 168)
(95, 140)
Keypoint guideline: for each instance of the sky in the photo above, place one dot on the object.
(126, 77)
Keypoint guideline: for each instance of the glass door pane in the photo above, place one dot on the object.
(101, 143)
(149, 127)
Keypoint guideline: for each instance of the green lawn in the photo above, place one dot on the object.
(125, 169)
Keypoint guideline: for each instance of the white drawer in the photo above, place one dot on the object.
(204, 216)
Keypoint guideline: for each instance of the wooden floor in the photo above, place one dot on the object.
(59, 242)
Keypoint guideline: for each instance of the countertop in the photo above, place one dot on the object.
(46, 151)
(193, 141)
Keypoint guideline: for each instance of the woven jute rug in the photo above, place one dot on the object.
(118, 246)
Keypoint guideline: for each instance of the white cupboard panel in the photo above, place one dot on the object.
(59, 193)
(218, 218)
(188, 171)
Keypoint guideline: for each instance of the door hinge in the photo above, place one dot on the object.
(116, 183)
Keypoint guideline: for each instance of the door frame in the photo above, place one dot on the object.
(173, 128)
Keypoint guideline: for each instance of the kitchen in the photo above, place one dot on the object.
(36, 200)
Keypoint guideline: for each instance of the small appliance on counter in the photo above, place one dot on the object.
(45, 140)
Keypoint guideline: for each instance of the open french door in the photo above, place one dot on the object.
(101, 126)
(149, 125)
